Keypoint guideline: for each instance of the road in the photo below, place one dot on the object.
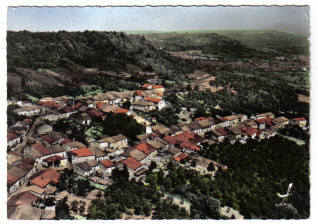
(21, 146)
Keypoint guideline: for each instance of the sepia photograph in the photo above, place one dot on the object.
(158, 113)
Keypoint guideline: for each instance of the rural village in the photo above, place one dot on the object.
(37, 154)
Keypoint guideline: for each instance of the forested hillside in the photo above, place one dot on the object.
(208, 43)
(68, 54)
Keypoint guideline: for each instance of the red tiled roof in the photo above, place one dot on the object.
(25, 197)
(222, 131)
(186, 140)
(138, 92)
(99, 104)
(152, 99)
(107, 163)
(145, 148)
(69, 109)
(222, 118)
(41, 149)
(131, 163)
(11, 179)
(122, 111)
(250, 131)
(53, 159)
(11, 136)
(46, 177)
(26, 164)
(78, 105)
(299, 119)
(82, 152)
(157, 86)
(180, 157)
(49, 104)
(47, 138)
(95, 113)
(261, 121)
(146, 85)
(65, 141)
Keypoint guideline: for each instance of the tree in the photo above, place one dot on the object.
(74, 206)
(127, 104)
(62, 210)
(49, 201)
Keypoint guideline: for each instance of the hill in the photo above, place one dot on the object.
(67, 55)
(208, 43)
(271, 41)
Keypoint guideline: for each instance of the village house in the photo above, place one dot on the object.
(200, 162)
(219, 134)
(99, 154)
(180, 157)
(147, 149)
(39, 152)
(86, 168)
(236, 131)
(301, 121)
(270, 133)
(52, 115)
(196, 128)
(82, 155)
(132, 165)
(45, 177)
(29, 110)
(265, 115)
(143, 105)
(106, 167)
(234, 119)
(114, 142)
(136, 154)
(250, 132)
(159, 102)
(223, 122)
(206, 125)
(280, 122)
(188, 141)
(264, 123)
(83, 118)
(18, 173)
(13, 139)
(70, 146)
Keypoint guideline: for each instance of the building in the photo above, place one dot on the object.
(86, 168)
(159, 102)
(280, 122)
(13, 139)
(45, 177)
(18, 173)
(106, 167)
(301, 121)
(82, 155)
(132, 165)
(114, 142)
(29, 110)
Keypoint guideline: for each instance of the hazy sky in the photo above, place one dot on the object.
(287, 18)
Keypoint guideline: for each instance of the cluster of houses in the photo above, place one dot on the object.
(37, 168)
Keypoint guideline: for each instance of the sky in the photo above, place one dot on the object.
(285, 18)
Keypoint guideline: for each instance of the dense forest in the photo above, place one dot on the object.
(209, 43)
(256, 172)
(46, 61)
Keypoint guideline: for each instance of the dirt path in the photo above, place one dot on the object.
(21, 146)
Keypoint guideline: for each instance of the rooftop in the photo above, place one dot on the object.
(82, 152)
